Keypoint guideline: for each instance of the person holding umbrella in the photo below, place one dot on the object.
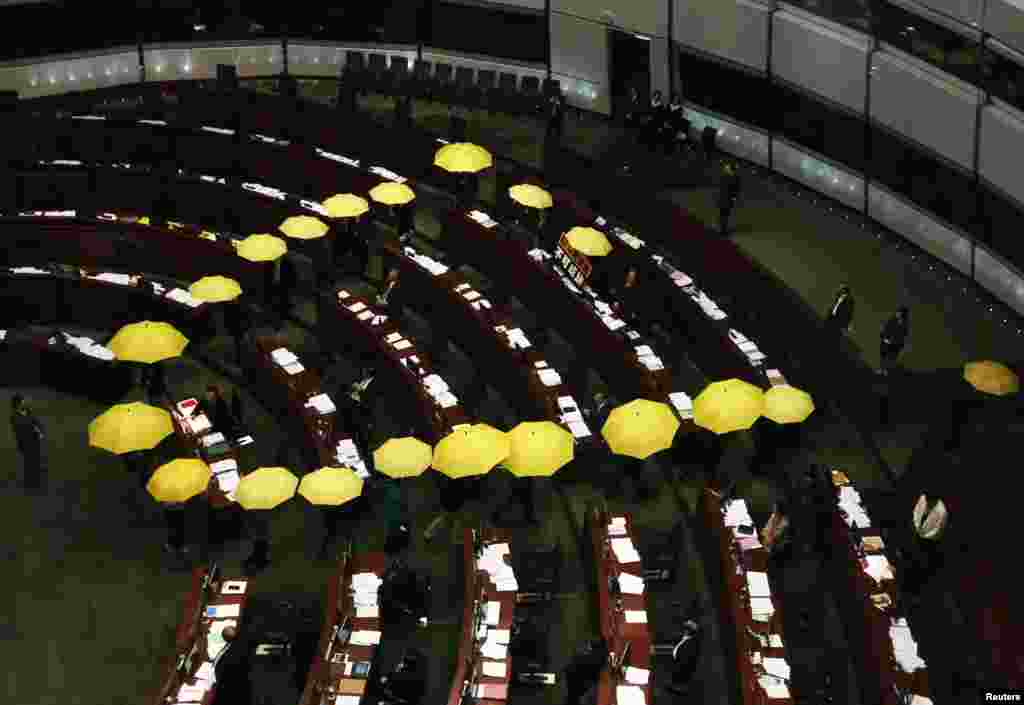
(894, 338)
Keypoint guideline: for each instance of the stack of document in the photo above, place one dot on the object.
(631, 584)
(624, 550)
(651, 362)
(637, 676)
(849, 502)
(492, 562)
(877, 566)
(294, 368)
(183, 297)
(636, 616)
(757, 584)
(481, 304)
(549, 377)
(482, 218)
(28, 270)
(617, 526)
(612, 323)
(438, 390)
(777, 667)
(322, 403)
(629, 695)
(517, 339)
(492, 649)
(212, 438)
(365, 637)
(904, 647)
(493, 669)
(682, 403)
(364, 594)
(283, 356)
(774, 688)
(761, 609)
(538, 255)
(348, 455)
(736, 513)
(680, 279)
(431, 265)
(634, 242)
(87, 346)
(116, 278)
(603, 308)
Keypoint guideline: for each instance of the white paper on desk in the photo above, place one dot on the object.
(549, 377)
(652, 362)
(642, 350)
(499, 636)
(624, 551)
(612, 323)
(294, 368)
(365, 637)
(393, 337)
(198, 424)
(494, 669)
(878, 567)
(191, 694)
(632, 335)
(920, 700)
(566, 403)
(736, 513)
(365, 315)
(323, 404)
(447, 400)
(737, 336)
(492, 613)
(637, 676)
(462, 287)
(283, 356)
(209, 440)
(224, 465)
(629, 695)
(221, 611)
(233, 587)
(579, 429)
(616, 530)
(636, 617)
(761, 608)
(774, 689)
(747, 346)
(631, 584)
(776, 667)
(228, 481)
(775, 641)
(367, 612)
(757, 584)
(342, 295)
(357, 307)
(681, 401)
(403, 345)
(471, 295)
(494, 650)
(347, 700)
(206, 673)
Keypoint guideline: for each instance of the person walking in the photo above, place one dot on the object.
(840, 314)
(728, 192)
(894, 339)
(29, 434)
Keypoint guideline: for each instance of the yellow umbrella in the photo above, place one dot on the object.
(530, 196)
(471, 451)
(262, 248)
(538, 449)
(179, 480)
(391, 193)
(786, 404)
(125, 428)
(463, 158)
(148, 342)
(266, 488)
(402, 457)
(331, 486)
(303, 227)
(589, 241)
(992, 378)
(144, 220)
(728, 406)
(215, 289)
(345, 205)
(640, 428)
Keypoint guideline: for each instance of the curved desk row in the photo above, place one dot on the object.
(866, 604)
(349, 323)
(209, 607)
(749, 612)
(622, 618)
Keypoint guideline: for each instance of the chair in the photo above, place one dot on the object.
(538, 571)
(552, 86)
(465, 91)
(506, 92)
(355, 71)
(378, 73)
(486, 82)
(443, 83)
(529, 95)
(422, 81)
(529, 651)
(399, 75)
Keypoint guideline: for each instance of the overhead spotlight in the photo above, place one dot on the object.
(199, 27)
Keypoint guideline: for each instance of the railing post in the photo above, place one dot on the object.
(869, 72)
(547, 36)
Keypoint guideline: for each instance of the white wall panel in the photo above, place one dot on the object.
(1002, 149)
(81, 73)
(579, 58)
(821, 57)
(647, 16)
(925, 104)
(1005, 282)
(1005, 19)
(321, 60)
(967, 11)
(847, 187)
(735, 139)
(734, 29)
(200, 63)
(926, 232)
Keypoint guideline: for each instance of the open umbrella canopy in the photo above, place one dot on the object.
(303, 227)
(530, 196)
(391, 193)
(463, 158)
(266, 488)
(345, 205)
(126, 428)
(786, 404)
(216, 289)
(992, 378)
(403, 457)
(640, 428)
(179, 480)
(731, 405)
(148, 342)
(331, 486)
(589, 241)
(538, 449)
(470, 451)
(262, 248)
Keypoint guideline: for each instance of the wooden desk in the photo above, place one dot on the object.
(539, 287)
(482, 333)
(354, 332)
(192, 634)
(867, 627)
(479, 590)
(217, 498)
(734, 606)
(320, 434)
(339, 606)
(615, 630)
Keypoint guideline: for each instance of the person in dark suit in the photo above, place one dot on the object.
(286, 284)
(676, 124)
(390, 296)
(708, 137)
(840, 314)
(174, 518)
(894, 338)
(154, 379)
(656, 119)
(29, 435)
(409, 679)
(555, 118)
(728, 193)
(584, 671)
(257, 526)
(686, 653)
(231, 667)
(216, 409)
